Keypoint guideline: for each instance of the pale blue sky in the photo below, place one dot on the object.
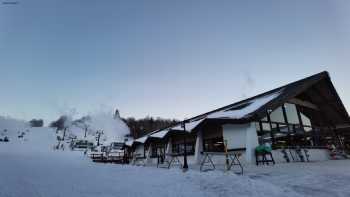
(163, 58)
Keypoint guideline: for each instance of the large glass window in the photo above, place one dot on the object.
(277, 115)
(264, 133)
(286, 126)
(305, 120)
(292, 114)
(280, 133)
(266, 126)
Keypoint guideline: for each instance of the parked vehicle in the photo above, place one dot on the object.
(82, 144)
(116, 149)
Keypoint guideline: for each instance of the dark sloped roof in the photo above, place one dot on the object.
(320, 81)
(319, 87)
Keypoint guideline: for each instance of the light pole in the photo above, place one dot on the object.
(64, 133)
(185, 166)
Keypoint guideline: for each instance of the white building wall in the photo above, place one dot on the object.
(251, 143)
(199, 147)
(242, 136)
(234, 135)
(169, 146)
(237, 136)
(319, 154)
(149, 160)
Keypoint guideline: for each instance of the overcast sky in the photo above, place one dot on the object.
(173, 59)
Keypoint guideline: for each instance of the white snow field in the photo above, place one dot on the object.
(30, 167)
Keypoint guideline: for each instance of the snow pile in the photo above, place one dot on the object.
(114, 129)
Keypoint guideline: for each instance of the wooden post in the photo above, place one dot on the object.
(227, 163)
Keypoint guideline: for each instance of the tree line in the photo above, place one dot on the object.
(143, 126)
(36, 122)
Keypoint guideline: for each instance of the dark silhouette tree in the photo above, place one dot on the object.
(36, 123)
(140, 127)
(59, 124)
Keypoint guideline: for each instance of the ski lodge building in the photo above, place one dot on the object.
(307, 113)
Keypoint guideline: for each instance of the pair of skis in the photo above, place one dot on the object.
(299, 154)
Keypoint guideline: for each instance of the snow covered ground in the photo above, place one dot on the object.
(30, 167)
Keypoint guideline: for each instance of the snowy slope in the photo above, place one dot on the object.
(10, 127)
(30, 167)
(34, 140)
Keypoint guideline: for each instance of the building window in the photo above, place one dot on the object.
(286, 126)
(178, 144)
(158, 149)
(292, 114)
(277, 115)
(266, 126)
(264, 133)
(214, 145)
(306, 121)
(178, 148)
(213, 140)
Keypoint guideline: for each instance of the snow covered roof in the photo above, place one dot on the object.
(129, 142)
(233, 112)
(160, 134)
(142, 139)
(188, 125)
(244, 109)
